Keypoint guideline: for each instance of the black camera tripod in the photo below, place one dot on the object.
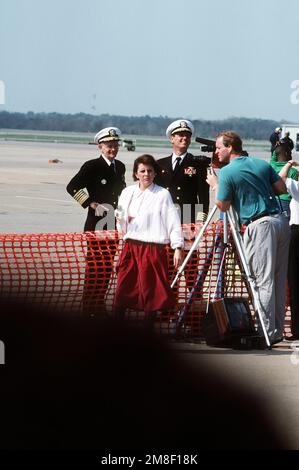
(245, 271)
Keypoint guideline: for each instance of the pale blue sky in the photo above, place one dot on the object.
(199, 59)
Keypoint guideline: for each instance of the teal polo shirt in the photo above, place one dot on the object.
(247, 183)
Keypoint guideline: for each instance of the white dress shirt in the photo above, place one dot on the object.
(136, 202)
(293, 189)
(108, 161)
(149, 216)
(174, 159)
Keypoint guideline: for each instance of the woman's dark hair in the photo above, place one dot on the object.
(146, 160)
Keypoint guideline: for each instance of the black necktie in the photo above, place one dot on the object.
(113, 168)
(177, 164)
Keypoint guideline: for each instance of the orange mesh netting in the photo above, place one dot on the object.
(75, 273)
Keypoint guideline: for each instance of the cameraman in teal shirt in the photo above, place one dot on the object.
(250, 185)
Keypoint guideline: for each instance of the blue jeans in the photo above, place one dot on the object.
(285, 205)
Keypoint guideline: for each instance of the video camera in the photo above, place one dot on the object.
(210, 146)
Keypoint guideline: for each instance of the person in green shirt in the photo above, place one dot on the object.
(279, 157)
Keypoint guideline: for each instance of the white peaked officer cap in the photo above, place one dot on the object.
(107, 134)
(180, 125)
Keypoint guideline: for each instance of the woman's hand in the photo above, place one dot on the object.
(99, 209)
(285, 169)
(177, 257)
(119, 214)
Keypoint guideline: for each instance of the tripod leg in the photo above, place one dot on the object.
(200, 278)
(240, 249)
(193, 247)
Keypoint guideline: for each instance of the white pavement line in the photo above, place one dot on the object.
(46, 199)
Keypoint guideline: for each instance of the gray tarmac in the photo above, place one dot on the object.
(271, 375)
(34, 200)
(32, 190)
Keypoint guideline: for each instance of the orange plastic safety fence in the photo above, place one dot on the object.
(75, 273)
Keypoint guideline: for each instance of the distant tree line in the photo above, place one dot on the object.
(258, 129)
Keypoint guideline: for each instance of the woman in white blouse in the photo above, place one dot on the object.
(148, 221)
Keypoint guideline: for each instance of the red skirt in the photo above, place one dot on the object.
(142, 278)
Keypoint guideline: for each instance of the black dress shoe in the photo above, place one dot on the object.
(278, 340)
(292, 338)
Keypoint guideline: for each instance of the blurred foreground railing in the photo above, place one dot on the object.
(74, 274)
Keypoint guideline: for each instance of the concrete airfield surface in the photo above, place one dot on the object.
(34, 200)
(32, 190)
